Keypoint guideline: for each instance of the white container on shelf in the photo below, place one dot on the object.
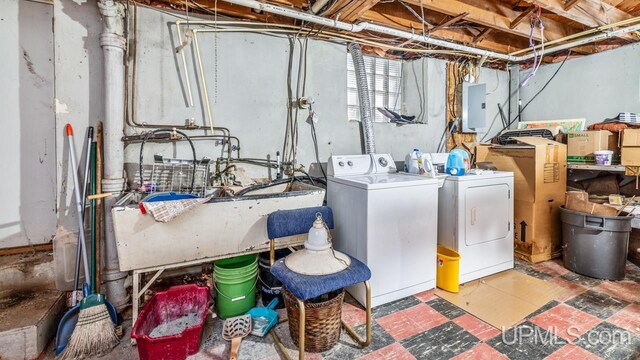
(603, 157)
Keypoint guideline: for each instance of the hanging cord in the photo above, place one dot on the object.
(329, 239)
(536, 19)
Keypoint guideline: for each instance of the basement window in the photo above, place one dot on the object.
(385, 87)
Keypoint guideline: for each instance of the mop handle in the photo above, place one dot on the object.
(79, 200)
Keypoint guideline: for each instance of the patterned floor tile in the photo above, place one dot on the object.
(552, 267)
(581, 279)
(476, 327)
(527, 269)
(446, 308)
(379, 338)
(625, 290)
(627, 318)
(394, 306)
(572, 289)
(632, 272)
(526, 341)
(597, 304)
(548, 306)
(353, 315)
(480, 352)
(394, 351)
(572, 352)
(426, 295)
(611, 342)
(565, 321)
(411, 321)
(441, 342)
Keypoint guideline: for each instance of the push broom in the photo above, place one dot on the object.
(94, 332)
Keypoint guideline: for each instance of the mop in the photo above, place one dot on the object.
(94, 332)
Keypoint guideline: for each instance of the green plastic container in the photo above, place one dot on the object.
(235, 280)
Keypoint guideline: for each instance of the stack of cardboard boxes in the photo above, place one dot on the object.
(539, 169)
(582, 145)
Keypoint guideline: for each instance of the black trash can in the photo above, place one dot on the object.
(270, 287)
(594, 245)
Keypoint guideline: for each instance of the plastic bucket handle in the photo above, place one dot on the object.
(600, 221)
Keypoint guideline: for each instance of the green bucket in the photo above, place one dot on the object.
(235, 280)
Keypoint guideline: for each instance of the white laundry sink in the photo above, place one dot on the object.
(220, 228)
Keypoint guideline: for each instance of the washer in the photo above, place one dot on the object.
(386, 220)
(476, 220)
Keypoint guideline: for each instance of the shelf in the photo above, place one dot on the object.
(618, 168)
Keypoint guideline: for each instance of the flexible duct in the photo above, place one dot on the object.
(363, 96)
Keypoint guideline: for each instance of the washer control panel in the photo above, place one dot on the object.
(346, 165)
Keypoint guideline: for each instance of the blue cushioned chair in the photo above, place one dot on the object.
(285, 223)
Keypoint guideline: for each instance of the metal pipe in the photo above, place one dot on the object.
(113, 45)
(295, 14)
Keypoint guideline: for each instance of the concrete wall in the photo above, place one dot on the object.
(28, 145)
(248, 95)
(594, 87)
(434, 95)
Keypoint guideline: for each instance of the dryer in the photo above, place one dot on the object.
(476, 219)
(386, 220)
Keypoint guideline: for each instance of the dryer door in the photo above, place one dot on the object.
(487, 213)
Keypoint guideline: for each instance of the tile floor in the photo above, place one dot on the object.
(596, 319)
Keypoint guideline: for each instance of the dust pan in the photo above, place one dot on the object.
(234, 330)
(263, 318)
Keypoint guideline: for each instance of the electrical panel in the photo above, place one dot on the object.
(471, 107)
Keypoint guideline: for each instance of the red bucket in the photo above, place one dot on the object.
(167, 306)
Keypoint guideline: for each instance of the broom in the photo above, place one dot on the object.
(94, 333)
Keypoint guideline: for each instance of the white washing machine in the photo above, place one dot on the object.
(386, 220)
(476, 220)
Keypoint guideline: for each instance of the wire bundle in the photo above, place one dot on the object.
(536, 19)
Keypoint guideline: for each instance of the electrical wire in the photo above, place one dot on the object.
(414, 13)
(534, 96)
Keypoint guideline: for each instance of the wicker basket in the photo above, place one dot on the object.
(323, 321)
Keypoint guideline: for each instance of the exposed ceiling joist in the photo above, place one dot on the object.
(521, 17)
(495, 15)
(478, 38)
(449, 22)
(568, 4)
(354, 9)
(398, 17)
(592, 13)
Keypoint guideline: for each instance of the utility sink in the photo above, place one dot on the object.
(222, 227)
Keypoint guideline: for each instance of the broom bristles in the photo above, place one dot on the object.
(94, 334)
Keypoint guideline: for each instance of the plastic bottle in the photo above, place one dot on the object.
(411, 162)
(458, 162)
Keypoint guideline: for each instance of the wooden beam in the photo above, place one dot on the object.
(592, 13)
(568, 4)
(355, 9)
(449, 22)
(398, 17)
(26, 249)
(496, 15)
(523, 15)
(481, 36)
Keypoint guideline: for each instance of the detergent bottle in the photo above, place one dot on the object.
(458, 162)
(412, 162)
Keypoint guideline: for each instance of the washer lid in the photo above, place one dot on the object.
(383, 181)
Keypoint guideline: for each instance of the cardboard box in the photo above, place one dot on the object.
(582, 144)
(579, 201)
(630, 147)
(539, 169)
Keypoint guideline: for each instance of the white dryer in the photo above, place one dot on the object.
(476, 219)
(386, 220)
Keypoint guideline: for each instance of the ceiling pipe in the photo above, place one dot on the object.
(355, 28)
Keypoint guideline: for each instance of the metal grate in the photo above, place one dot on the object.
(169, 174)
